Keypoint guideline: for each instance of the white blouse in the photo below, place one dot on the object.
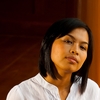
(36, 88)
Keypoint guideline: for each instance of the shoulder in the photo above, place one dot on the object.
(14, 94)
(23, 90)
(93, 90)
(92, 84)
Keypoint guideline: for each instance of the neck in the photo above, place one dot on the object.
(62, 82)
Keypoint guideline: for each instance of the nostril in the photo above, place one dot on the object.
(74, 52)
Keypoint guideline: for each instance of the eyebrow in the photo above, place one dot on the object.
(75, 39)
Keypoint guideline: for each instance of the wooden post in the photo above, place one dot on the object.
(89, 12)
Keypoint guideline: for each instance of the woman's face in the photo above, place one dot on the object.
(69, 52)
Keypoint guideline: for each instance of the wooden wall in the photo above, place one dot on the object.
(30, 17)
(89, 12)
(33, 16)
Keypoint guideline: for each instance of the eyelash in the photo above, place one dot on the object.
(82, 47)
(71, 42)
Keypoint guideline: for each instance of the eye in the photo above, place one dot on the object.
(69, 41)
(83, 48)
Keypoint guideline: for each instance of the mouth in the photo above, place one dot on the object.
(72, 59)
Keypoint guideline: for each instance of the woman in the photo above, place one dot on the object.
(65, 58)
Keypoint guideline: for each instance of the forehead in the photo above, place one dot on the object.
(80, 32)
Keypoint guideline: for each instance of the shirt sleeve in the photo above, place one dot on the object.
(15, 94)
(93, 90)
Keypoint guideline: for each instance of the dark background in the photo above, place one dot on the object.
(23, 24)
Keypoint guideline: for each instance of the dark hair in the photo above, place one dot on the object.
(57, 30)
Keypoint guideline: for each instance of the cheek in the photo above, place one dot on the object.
(84, 56)
(57, 51)
(82, 59)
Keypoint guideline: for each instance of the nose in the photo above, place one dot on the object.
(74, 50)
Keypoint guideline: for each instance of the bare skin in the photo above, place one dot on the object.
(62, 84)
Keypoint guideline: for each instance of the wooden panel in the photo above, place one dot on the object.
(88, 11)
(23, 23)
(33, 16)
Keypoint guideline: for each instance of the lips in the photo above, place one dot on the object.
(72, 59)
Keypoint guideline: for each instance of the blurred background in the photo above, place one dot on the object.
(23, 24)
